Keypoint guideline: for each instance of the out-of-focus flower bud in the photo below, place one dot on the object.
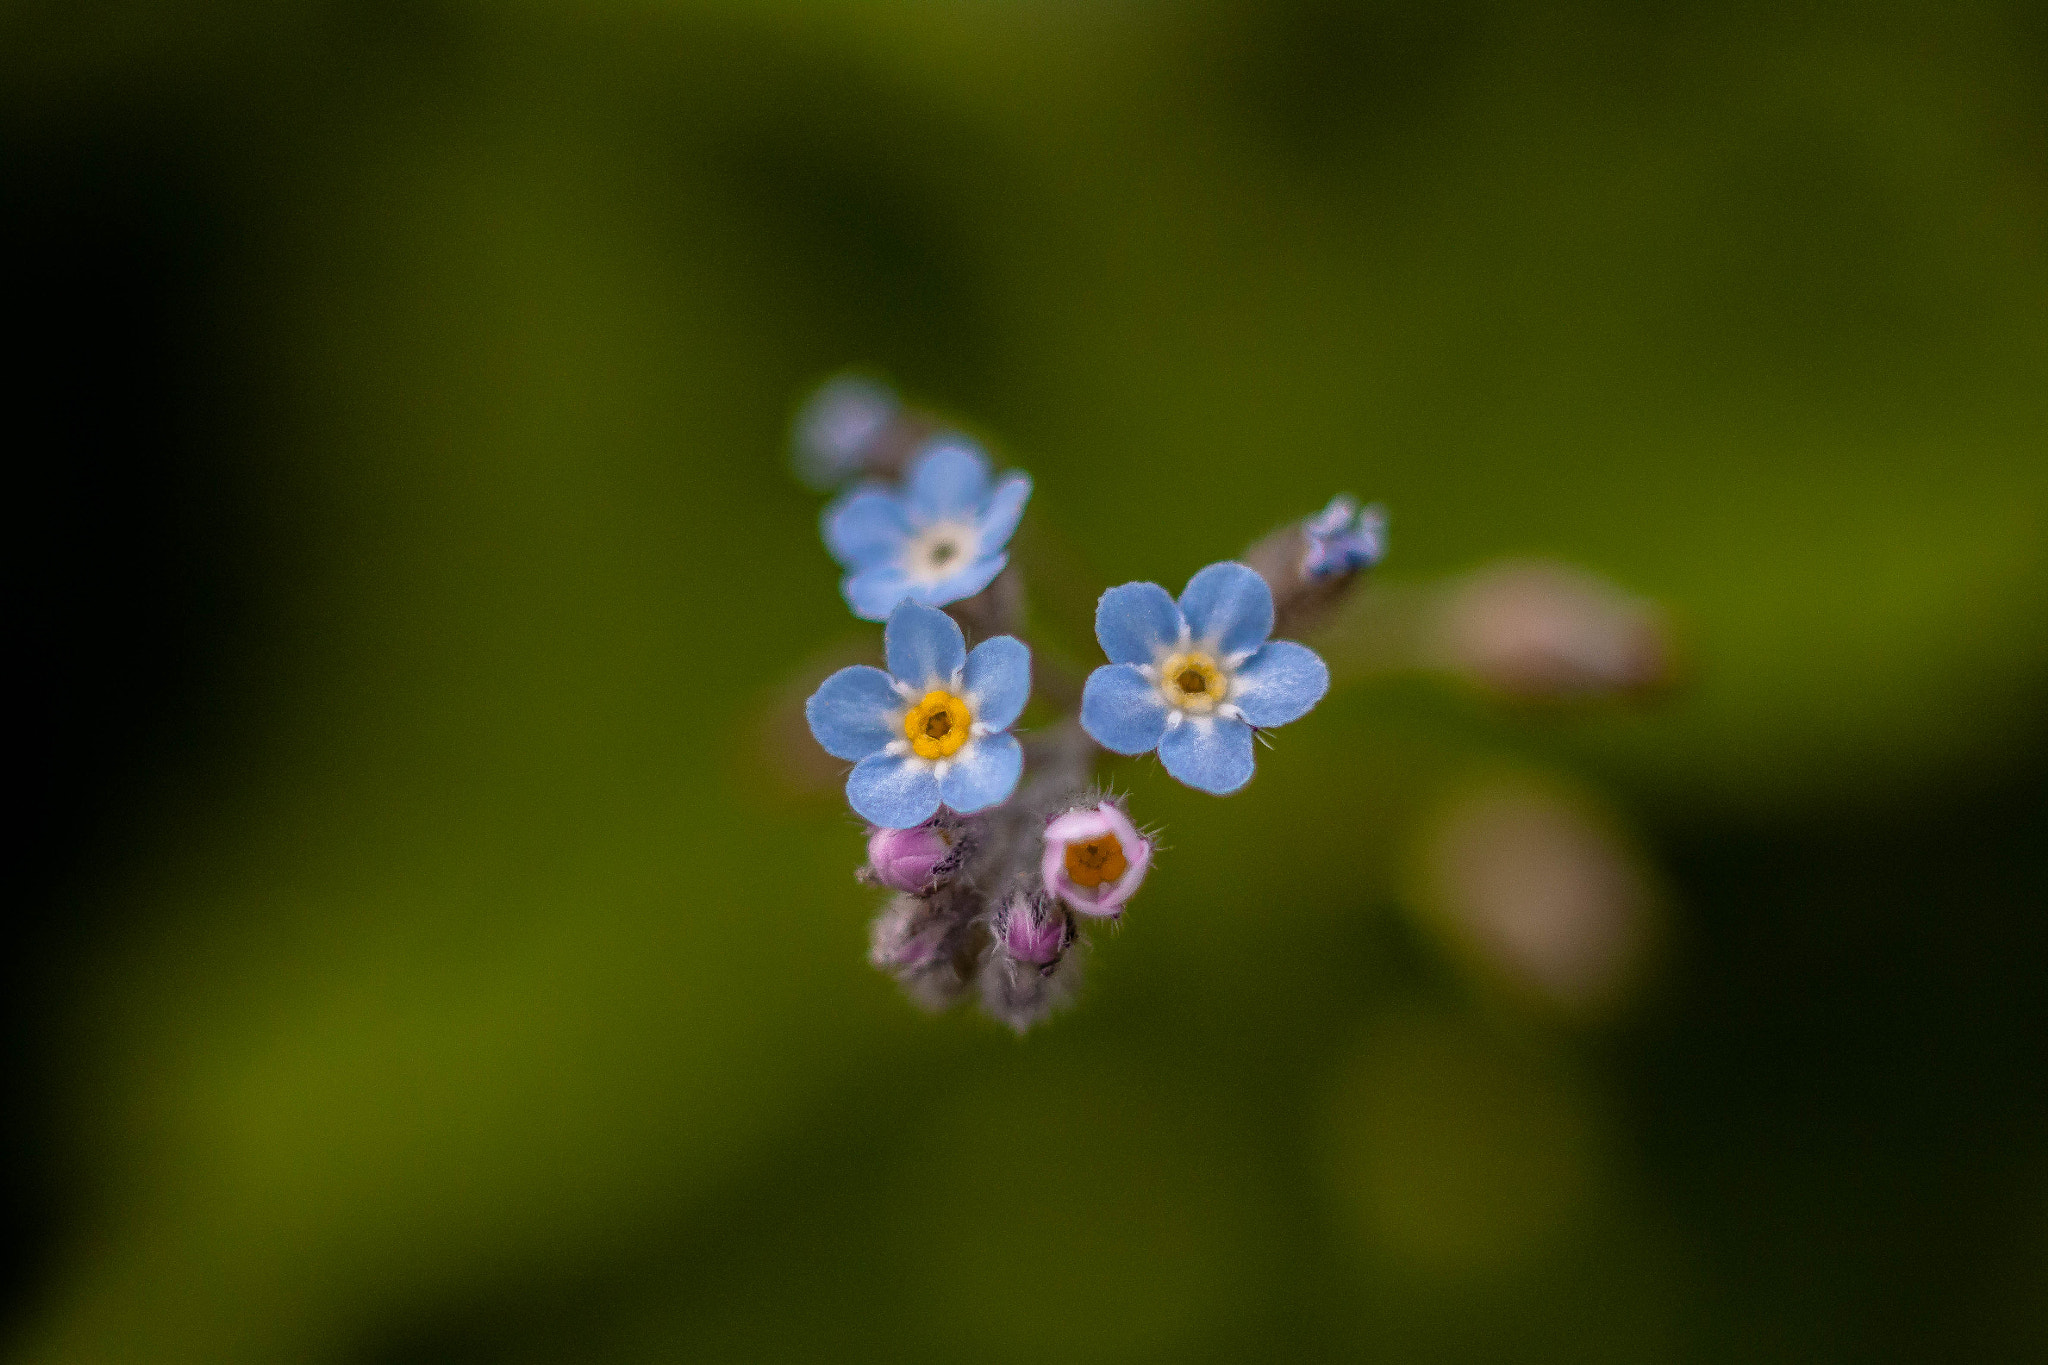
(1034, 929)
(927, 945)
(1095, 858)
(914, 860)
(1036, 962)
(1545, 631)
(1541, 892)
(853, 427)
(908, 934)
(838, 427)
(1343, 538)
(1312, 564)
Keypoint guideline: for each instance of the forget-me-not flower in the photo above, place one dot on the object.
(940, 539)
(1193, 679)
(933, 728)
(1343, 537)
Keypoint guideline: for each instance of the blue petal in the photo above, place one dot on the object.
(1228, 606)
(982, 774)
(1121, 711)
(893, 791)
(1371, 536)
(875, 591)
(1333, 519)
(948, 481)
(1210, 754)
(998, 682)
(1136, 621)
(865, 526)
(1005, 508)
(855, 712)
(924, 647)
(1279, 683)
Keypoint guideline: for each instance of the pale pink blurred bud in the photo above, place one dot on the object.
(909, 859)
(906, 935)
(1550, 631)
(1095, 859)
(1544, 893)
(922, 944)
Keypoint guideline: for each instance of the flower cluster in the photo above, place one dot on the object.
(997, 850)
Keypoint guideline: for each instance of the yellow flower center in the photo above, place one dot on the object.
(938, 725)
(1192, 682)
(1099, 860)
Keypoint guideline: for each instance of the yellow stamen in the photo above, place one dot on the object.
(1099, 860)
(938, 725)
(1192, 682)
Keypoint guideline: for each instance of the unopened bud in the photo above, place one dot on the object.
(906, 935)
(913, 860)
(1095, 859)
(1549, 631)
(1312, 564)
(922, 944)
(1034, 929)
(1343, 538)
(1036, 963)
(838, 427)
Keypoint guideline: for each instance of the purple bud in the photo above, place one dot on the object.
(1095, 859)
(1033, 931)
(908, 859)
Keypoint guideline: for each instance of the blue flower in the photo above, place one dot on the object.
(931, 729)
(1194, 679)
(1343, 538)
(938, 540)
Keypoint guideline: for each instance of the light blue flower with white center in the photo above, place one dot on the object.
(1193, 679)
(1343, 538)
(934, 728)
(939, 539)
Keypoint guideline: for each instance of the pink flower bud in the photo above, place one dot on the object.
(1034, 932)
(908, 859)
(906, 936)
(1095, 859)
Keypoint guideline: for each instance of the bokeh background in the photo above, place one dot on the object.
(426, 945)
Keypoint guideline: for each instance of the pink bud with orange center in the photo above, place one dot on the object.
(1095, 859)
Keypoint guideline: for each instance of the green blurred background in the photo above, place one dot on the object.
(425, 954)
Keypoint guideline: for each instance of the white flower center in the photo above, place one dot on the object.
(940, 551)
